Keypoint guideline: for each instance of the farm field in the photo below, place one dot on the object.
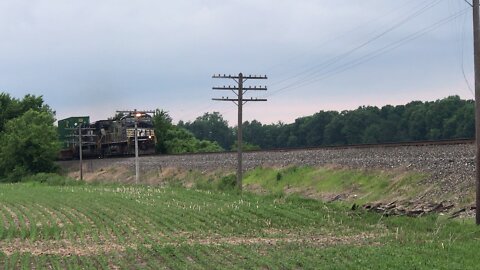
(141, 227)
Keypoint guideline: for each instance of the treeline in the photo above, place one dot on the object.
(28, 138)
(29, 141)
(447, 118)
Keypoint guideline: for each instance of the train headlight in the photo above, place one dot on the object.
(150, 137)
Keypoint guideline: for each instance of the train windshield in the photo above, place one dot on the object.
(144, 121)
(128, 121)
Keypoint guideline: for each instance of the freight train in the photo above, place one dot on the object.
(105, 138)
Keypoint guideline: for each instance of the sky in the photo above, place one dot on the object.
(93, 57)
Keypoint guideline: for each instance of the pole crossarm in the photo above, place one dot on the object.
(234, 88)
(249, 77)
(136, 111)
(238, 100)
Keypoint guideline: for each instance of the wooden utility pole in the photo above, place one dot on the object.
(136, 114)
(476, 52)
(239, 91)
(80, 150)
(80, 130)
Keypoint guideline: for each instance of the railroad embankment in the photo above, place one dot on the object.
(440, 172)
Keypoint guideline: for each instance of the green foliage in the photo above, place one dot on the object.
(179, 140)
(51, 179)
(137, 227)
(245, 146)
(220, 182)
(211, 127)
(11, 108)
(227, 182)
(28, 145)
(162, 123)
(447, 118)
(173, 139)
(368, 186)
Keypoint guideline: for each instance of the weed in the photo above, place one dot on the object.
(51, 179)
(227, 182)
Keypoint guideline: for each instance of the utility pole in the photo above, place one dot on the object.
(239, 100)
(80, 150)
(476, 59)
(80, 130)
(136, 114)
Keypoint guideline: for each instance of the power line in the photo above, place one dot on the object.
(385, 14)
(369, 56)
(318, 68)
(462, 57)
(312, 71)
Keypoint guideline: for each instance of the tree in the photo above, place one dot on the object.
(245, 146)
(211, 127)
(333, 131)
(162, 123)
(29, 145)
(446, 118)
(11, 107)
(253, 133)
(179, 140)
(316, 128)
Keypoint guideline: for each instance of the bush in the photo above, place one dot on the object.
(28, 145)
(227, 182)
(51, 179)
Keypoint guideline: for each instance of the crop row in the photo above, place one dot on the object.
(111, 214)
(137, 227)
(289, 256)
(102, 226)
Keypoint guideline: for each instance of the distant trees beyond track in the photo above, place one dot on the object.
(448, 118)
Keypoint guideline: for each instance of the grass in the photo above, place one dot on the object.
(366, 186)
(353, 185)
(139, 227)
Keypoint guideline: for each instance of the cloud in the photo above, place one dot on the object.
(93, 57)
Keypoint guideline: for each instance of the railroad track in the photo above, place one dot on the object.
(331, 147)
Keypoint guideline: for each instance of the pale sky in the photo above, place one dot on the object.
(94, 57)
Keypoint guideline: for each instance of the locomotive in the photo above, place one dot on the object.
(105, 138)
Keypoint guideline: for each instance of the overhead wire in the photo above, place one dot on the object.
(371, 56)
(458, 31)
(312, 71)
(462, 56)
(343, 34)
(314, 76)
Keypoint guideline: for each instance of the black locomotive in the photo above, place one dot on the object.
(106, 138)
